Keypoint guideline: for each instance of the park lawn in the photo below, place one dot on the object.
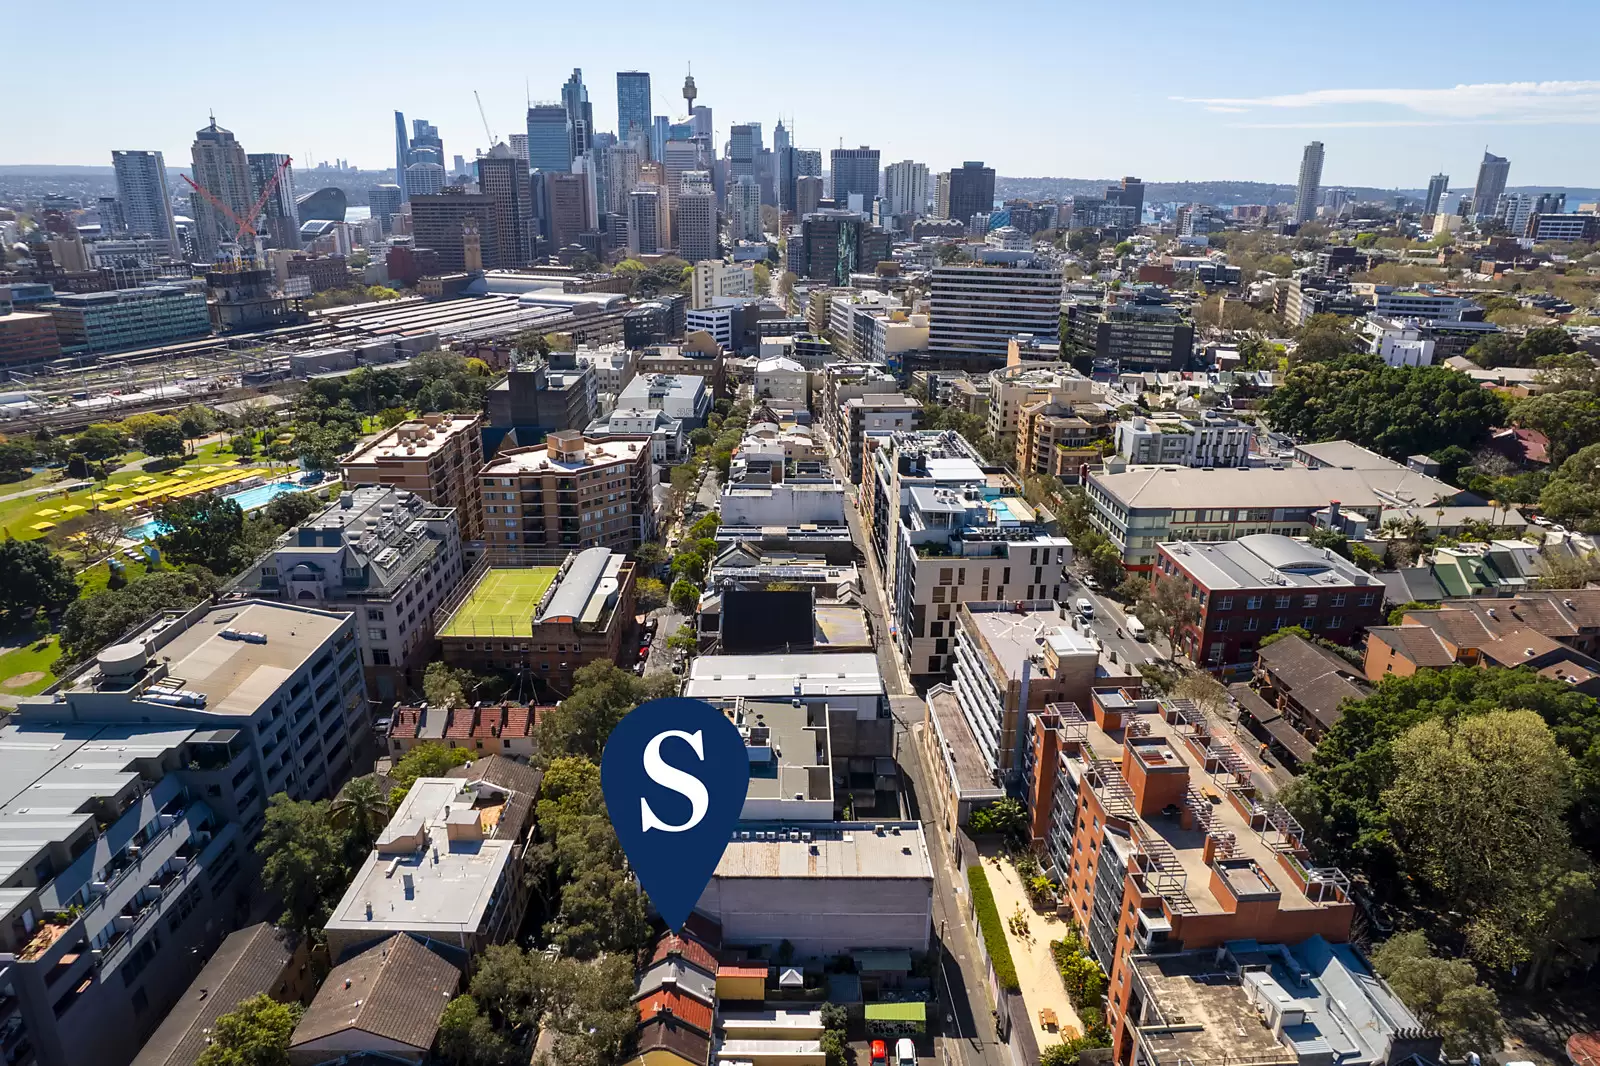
(32, 481)
(18, 517)
(97, 577)
(36, 658)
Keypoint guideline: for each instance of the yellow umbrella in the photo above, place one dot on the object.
(98, 496)
(42, 526)
(73, 508)
(211, 469)
(182, 473)
(144, 479)
(48, 512)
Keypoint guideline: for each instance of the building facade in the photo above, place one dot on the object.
(436, 457)
(566, 494)
(976, 310)
(91, 323)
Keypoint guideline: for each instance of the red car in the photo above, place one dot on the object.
(880, 1052)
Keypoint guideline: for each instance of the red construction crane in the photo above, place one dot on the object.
(246, 224)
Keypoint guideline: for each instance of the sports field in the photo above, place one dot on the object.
(502, 604)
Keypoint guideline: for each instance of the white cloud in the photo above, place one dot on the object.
(1504, 103)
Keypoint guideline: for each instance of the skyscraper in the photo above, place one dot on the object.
(807, 194)
(145, 197)
(621, 165)
(424, 179)
(633, 109)
(580, 116)
(402, 153)
(906, 188)
(647, 213)
(660, 134)
(426, 147)
(519, 146)
(744, 209)
(1128, 194)
(451, 222)
(679, 158)
(1309, 191)
(743, 141)
(700, 119)
(220, 167)
(549, 138)
(567, 196)
(855, 170)
(504, 179)
(971, 191)
(1438, 185)
(1492, 174)
(385, 201)
(279, 224)
(696, 216)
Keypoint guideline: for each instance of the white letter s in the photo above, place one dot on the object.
(685, 784)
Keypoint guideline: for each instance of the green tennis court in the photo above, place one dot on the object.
(502, 604)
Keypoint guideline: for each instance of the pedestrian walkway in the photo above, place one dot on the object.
(1042, 989)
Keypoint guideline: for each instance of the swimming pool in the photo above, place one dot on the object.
(248, 500)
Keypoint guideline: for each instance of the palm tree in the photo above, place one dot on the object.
(360, 809)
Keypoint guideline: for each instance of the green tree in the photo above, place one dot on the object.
(602, 693)
(291, 508)
(359, 811)
(35, 579)
(1397, 411)
(1167, 607)
(196, 421)
(164, 438)
(685, 595)
(1323, 338)
(650, 593)
(426, 760)
(205, 529)
(835, 1050)
(100, 442)
(444, 686)
(92, 622)
(1572, 495)
(650, 554)
(456, 1024)
(243, 445)
(602, 910)
(1004, 816)
(255, 1033)
(15, 457)
(1444, 994)
(302, 861)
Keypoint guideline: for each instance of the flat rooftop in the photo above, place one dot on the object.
(961, 752)
(1014, 636)
(414, 439)
(777, 676)
(789, 746)
(435, 866)
(1156, 488)
(502, 603)
(536, 460)
(235, 676)
(834, 850)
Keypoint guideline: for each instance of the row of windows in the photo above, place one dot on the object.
(1252, 625)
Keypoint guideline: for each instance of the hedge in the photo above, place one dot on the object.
(994, 933)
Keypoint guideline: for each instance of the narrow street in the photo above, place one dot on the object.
(967, 1026)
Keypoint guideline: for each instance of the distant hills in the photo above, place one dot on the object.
(1228, 193)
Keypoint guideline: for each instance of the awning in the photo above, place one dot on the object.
(1252, 704)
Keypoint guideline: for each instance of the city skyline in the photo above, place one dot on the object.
(1385, 123)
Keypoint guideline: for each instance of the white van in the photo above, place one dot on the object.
(1136, 629)
(905, 1053)
(1085, 608)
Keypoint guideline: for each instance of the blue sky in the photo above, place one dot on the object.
(1167, 91)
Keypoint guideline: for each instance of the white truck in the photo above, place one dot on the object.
(1136, 629)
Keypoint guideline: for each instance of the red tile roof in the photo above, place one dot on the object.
(404, 722)
(464, 723)
(687, 948)
(686, 1009)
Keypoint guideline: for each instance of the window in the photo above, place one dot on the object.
(936, 629)
(1338, 599)
(1252, 624)
(1225, 603)
(946, 575)
(377, 634)
(938, 595)
(944, 614)
(933, 664)
(1281, 602)
(1220, 626)
(374, 614)
(380, 657)
(1309, 622)
(1311, 599)
(1005, 576)
(1253, 603)
(1336, 622)
(1367, 598)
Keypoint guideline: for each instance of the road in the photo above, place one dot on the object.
(1110, 626)
(968, 1037)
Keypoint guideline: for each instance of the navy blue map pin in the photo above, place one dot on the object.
(674, 772)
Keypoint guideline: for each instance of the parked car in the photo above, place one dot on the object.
(1085, 607)
(905, 1052)
(880, 1052)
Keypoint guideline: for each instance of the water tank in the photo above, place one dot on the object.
(122, 660)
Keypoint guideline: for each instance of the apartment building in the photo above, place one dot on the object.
(683, 396)
(27, 337)
(1011, 388)
(380, 554)
(957, 542)
(1061, 440)
(872, 415)
(561, 392)
(447, 869)
(1250, 588)
(927, 457)
(1140, 507)
(95, 322)
(567, 493)
(157, 757)
(1153, 826)
(846, 381)
(543, 623)
(783, 382)
(613, 366)
(1208, 440)
(668, 441)
(977, 309)
(436, 457)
